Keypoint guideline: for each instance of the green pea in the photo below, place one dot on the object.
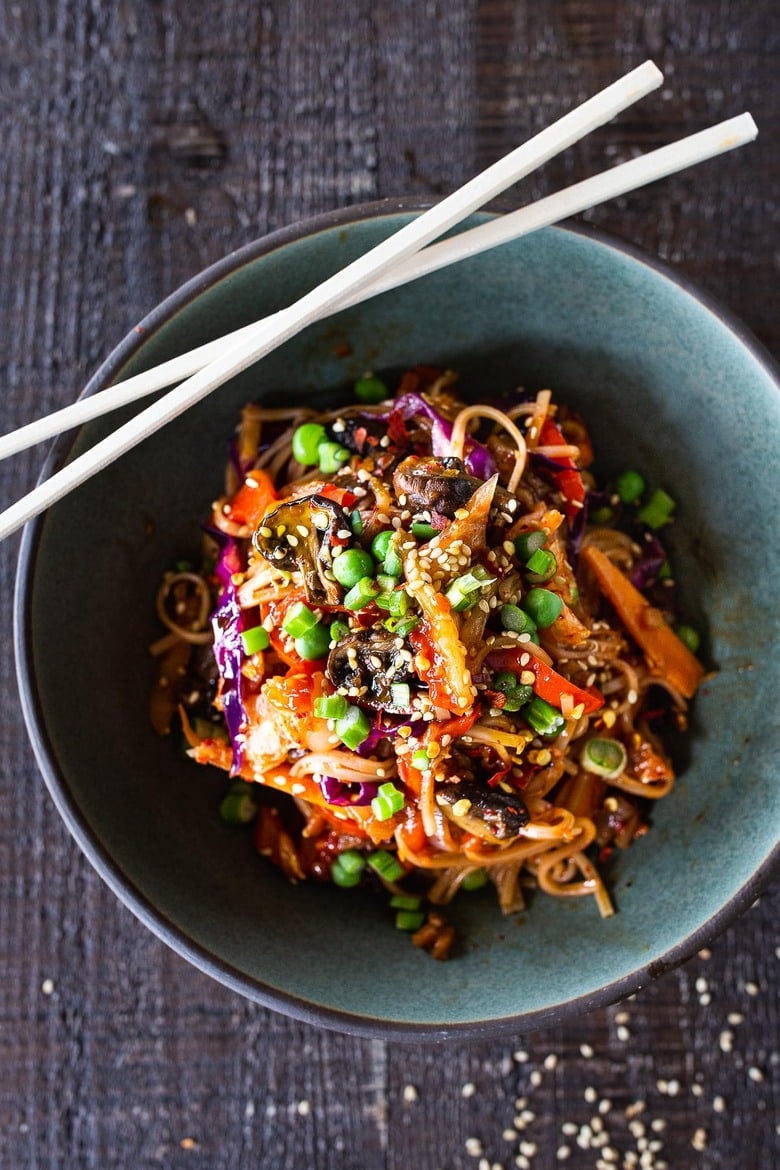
(351, 565)
(306, 442)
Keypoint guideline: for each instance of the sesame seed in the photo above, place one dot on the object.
(718, 1105)
(699, 1139)
(47, 987)
(410, 1093)
(605, 1105)
(569, 1128)
(528, 1148)
(562, 1153)
(726, 1040)
(468, 1090)
(590, 1094)
(520, 1056)
(697, 1090)
(473, 1147)
(755, 1074)
(522, 1162)
(622, 1032)
(735, 1017)
(586, 1051)
(303, 1108)
(527, 1115)
(751, 988)
(509, 1135)
(535, 1078)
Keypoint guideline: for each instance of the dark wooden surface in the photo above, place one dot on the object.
(141, 141)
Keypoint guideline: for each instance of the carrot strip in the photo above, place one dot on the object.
(666, 655)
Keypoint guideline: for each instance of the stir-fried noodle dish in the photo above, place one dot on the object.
(427, 648)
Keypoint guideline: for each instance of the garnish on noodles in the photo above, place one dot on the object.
(429, 652)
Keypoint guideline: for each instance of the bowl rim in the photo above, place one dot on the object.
(122, 885)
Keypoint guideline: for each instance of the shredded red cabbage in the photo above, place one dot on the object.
(227, 623)
(477, 458)
(338, 792)
(386, 727)
(647, 569)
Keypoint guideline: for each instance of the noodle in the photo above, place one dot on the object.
(409, 647)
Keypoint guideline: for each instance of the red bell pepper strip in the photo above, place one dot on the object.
(548, 684)
(252, 500)
(568, 480)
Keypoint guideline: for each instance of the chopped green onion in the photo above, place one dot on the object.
(474, 880)
(371, 389)
(464, 591)
(332, 456)
(340, 876)
(423, 530)
(356, 523)
(658, 509)
(604, 757)
(393, 565)
(396, 602)
(689, 637)
(351, 565)
(353, 728)
(543, 717)
(541, 566)
(665, 572)
(405, 902)
(543, 606)
(330, 707)
(514, 618)
(352, 860)
(237, 809)
(388, 801)
(362, 593)
(314, 643)
(421, 760)
(306, 442)
(528, 542)
(629, 485)
(409, 919)
(386, 865)
(380, 544)
(602, 515)
(338, 630)
(385, 582)
(401, 625)
(517, 697)
(298, 619)
(255, 640)
(400, 694)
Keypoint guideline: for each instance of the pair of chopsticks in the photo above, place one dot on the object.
(402, 257)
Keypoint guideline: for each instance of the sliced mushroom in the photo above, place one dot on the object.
(491, 813)
(300, 535)
(434, 485)
(371, 659)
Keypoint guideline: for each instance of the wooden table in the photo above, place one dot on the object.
(140, 142)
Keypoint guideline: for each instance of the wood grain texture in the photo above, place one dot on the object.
(140, 142)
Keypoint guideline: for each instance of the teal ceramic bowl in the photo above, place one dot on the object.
(669, 385)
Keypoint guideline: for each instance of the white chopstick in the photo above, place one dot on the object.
(336, 289)
(550, 142)
(628, 176)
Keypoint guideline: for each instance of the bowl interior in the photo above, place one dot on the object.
(665, 386)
